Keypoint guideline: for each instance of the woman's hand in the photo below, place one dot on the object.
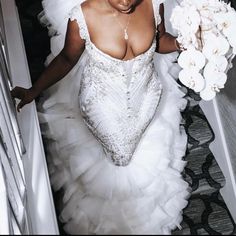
(25, 95)
(57, 69)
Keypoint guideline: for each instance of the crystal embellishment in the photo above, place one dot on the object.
(126, 34)
(119, 118)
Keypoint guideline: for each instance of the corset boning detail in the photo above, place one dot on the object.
(118, 100)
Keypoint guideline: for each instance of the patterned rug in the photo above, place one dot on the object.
(206, 213)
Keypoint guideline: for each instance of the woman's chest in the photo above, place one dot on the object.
(121, 38)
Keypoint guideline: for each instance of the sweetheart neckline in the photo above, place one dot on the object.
(106, 54)
(121, 60)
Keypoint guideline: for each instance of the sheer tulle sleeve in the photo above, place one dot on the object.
(57, 13)
(55, 16)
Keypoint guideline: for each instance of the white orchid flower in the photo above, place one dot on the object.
(226, 22)
(207, 94)
(176, 17)
(185, 19)
(188, 40)
(215, 46)
(215, 65)
(200, 4)
(191, 59)
(213, 86)
(213, 5)
(192, 79)
(218, 6)
(206, 29)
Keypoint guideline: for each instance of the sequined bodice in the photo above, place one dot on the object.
(117, 99)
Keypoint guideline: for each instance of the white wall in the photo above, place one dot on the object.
(227, 108)
(41, 206)
(221, 114)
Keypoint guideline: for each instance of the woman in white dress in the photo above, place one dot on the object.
(114, 140)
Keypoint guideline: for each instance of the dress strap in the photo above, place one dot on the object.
(78, 15)
(156, 6)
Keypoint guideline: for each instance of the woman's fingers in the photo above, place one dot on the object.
(17, 92)
(20, 105)
(24, 95)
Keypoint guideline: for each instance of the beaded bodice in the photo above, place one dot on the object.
(117, 98)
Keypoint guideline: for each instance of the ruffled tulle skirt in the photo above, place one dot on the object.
(145, 197)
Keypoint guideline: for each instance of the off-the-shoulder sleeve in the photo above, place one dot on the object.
(77, 14)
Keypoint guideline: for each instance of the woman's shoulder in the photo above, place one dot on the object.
(93, 11)
(91, 6)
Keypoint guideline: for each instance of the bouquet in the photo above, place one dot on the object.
(207, 31)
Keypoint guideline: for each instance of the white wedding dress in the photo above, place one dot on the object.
(114, 140)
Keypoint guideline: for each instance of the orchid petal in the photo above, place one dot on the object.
(192, 79)
(192, 59)
(207, 94)
(215, 46)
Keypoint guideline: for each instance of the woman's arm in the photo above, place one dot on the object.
(166, 42)
(57, 69)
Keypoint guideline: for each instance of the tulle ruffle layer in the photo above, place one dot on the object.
(145, 197)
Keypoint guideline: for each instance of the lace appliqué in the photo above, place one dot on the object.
(117, 112)
(117, 105)
(156, 6)
(77, 14)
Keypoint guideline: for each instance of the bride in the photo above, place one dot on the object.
(112, 125)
